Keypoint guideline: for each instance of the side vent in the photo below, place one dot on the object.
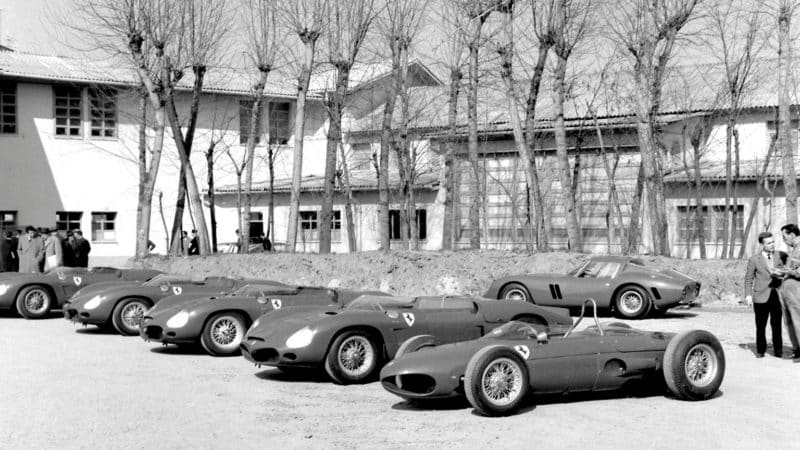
(655, 292)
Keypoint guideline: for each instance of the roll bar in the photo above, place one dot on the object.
(583, 311)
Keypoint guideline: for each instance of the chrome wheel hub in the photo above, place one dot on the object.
(356, 355)
(502, 381)
(516, 295)
(132, 314)
(701, 365)
(225, 331)
(36, 301)
(631, 302)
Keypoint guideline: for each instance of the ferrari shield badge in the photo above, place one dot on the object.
(523, 350)
(77, 280)
(409, 318)
(177, 290)
(276, 303)
(61, 275)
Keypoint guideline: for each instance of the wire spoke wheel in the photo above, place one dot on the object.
(356, 356)
(132, 314)
(37, 301)
(226, 332)
(701, 365)
(502, 381)
(516, 295)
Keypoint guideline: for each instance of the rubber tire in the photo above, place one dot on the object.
(674, 367)
(23, 311)
(415, 343)
(335, 371)
(474, 372)
(647, 304)
(515, 286)
(116, 316)
(210, 346)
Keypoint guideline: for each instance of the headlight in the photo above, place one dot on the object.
(178, 320)
(301, 338)
(94, 302)
(3, 289)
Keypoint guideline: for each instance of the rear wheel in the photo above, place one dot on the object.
(694, 365)
(223, 334)
(632, 302)
(415, 343)
(127, 315)
(34, 302)
(496, 381)
(352, 358)
(517, 292)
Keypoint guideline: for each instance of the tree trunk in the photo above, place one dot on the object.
(404, 160)
(634, 229)
(475, 191)
(448, 163)
(271, 206)
(700, 222)
(734, 196)
(212, 208)
(177, 218)
(728, 232)
(616, 212)
(570, 214)
(250, 150)
(387, 145)
(335, 107)
(784, 137)
(145, 197)
(531, 171)
(163, 219)
(348, 202)
(299, 132)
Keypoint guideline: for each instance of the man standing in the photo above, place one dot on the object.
(5, 242)
(81, 248)
(31, 251)
(194, 245)
(762, 279)
(13, 255)
(790, 291)
(53, 251)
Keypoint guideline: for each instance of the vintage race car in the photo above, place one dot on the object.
(621, 283)
(219, 322)
(354, 342)
(497, 371)
(35, 294)
(123, 306)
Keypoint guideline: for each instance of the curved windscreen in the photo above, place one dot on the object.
(166, 279)
(380, 303)
(517, 330)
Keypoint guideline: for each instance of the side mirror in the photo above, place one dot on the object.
(542, 337)
(262, 300)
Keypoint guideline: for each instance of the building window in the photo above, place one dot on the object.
(103, 112)
(361, 157)
(68, 114)
(421, 220)
(245, 113)
(256, 226)
(8, 220)
(8, 108)
(103, 226)
(309, 225)
(68, 220)
(336, 226)
(713, 223)
(279, 123)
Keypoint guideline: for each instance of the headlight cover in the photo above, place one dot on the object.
(94, 302)
(178, 320)
(3, 289)
(301, 338)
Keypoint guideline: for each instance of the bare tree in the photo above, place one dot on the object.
(786, 10)
(648, 30)
(307, 18)
(262, 50)
(348, 24)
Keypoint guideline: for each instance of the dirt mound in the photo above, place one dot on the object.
(433, 273)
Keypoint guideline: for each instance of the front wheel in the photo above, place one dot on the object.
(515, 291)
(632, 302)
(352, 358)
(496, 381)
(694, 365)
(34, 302)
(223, 334)
(127, 315)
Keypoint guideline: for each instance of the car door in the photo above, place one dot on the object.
(594, 281)
(451, 319)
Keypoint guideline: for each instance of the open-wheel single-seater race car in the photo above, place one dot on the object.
(354, 342)
(36, 294)
(123, 306)
(219, 322)
(622, 283)
(497, 371)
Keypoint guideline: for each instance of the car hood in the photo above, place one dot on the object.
(96, 288)
(282, 323)
(175, 303)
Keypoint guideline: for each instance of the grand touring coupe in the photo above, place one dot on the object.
(353, 343)
(621, 283)
(36, 294)
(497, 371)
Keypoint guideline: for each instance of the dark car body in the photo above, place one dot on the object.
(61, 283)
(623, 283)
(390, 320)
(96, 306)
(249, 302)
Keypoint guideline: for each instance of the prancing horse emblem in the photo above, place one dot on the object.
(77, 280)
(276, 303)
(409, 317)
(523, 350)
(177, 290)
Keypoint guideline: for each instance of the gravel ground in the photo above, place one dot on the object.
(62, 387)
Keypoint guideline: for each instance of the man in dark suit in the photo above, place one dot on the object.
(194, 244)
(762, 279)
(81, 249)
(5, 251)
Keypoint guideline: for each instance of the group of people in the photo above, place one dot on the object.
(39, 250)
(772, 287)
